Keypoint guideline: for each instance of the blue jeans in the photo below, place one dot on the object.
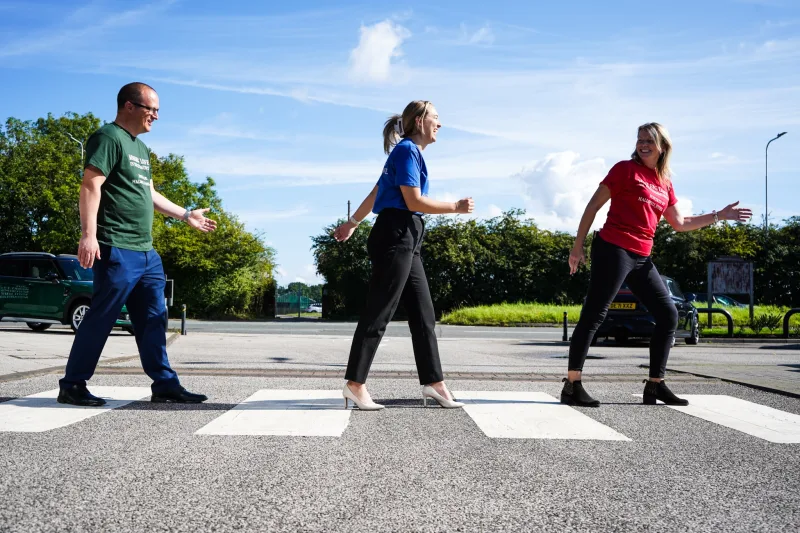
(137, 280)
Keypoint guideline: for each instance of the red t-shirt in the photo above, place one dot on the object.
(637, 202)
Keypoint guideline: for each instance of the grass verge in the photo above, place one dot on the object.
(521, 314)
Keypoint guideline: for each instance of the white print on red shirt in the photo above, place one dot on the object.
(654, 192)
(652, 187)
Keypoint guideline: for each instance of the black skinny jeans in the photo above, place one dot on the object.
(397, 274)
(611, 265)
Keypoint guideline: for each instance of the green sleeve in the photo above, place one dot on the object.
(102, 152)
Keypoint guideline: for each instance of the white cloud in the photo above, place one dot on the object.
(300, 280)
(446, 197)
(224, 125)
(280, 273)
(722, 158)
(559, 187)
(253, 217)
(494, 211)
(685, 206)
(59, 39)
(372, 59)
(482, 36)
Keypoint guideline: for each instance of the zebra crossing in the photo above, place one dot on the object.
(321, 413)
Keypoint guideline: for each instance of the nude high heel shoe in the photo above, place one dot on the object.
(366, 406)
(430, 392)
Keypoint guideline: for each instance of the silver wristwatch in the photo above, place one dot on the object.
(353, 221)
(716, 216)
(186, 214)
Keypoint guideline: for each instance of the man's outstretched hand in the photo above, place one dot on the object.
(198, 220)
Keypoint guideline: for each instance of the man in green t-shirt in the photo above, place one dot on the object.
(116, 204)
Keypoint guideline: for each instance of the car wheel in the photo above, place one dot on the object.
(621, 337)
(38, 326)
(77, 315)
(695, 337)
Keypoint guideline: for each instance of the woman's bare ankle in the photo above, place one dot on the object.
(355, 386)
(440, 387)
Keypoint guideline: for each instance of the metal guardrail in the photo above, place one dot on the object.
(786, 318)
(720, 312)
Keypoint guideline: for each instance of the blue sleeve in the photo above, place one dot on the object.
(407, 166)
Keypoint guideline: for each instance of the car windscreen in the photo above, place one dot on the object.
(674, 289)
(74, 271)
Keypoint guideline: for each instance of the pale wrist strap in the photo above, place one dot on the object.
(353, 220)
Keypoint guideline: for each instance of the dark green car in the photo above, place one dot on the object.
(45, 289)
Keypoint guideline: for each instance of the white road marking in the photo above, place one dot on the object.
(754, 419)
(531, 415)
(41, 412)
(296, 413)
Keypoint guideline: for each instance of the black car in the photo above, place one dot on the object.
(628, 318)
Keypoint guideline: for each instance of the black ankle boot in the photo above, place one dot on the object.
(573, 393)
(659, 391)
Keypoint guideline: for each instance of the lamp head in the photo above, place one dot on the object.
(780, 135)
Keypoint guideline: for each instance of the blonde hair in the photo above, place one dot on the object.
(399, 127)
(660, 136)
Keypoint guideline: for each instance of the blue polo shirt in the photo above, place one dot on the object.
(405, 166)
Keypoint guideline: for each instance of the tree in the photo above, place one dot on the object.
(346, 269)
(227, 272)
(467, 263)
(510, 259)
(40, 175)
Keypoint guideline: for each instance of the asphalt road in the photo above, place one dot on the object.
(394, 329)
(318, 327)
(142, 467)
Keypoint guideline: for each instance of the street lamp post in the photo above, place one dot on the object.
(81, 144)
(766, 173)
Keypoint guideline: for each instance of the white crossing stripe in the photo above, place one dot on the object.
(530, 415)
(41, 412)
(760, 421)
(296, 413)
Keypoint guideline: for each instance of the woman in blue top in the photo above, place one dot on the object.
(399, 199)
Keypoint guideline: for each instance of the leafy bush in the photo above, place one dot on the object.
(770, 321)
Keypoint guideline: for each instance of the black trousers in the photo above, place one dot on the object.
(397, 274)
(610, 267)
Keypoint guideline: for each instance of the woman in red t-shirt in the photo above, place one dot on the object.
(641, 192)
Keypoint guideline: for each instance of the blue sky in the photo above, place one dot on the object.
(283, 103)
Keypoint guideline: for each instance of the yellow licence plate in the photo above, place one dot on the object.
(621, 305)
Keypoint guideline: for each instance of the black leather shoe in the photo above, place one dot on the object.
(178, 395)
(573, 393)
(79, 395)
(659, 391)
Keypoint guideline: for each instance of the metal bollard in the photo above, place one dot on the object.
(565, 338)
(183, 319)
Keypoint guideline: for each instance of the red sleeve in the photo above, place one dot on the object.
(672, 198)
(615, 178)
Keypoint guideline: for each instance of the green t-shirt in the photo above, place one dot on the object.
(125, 217)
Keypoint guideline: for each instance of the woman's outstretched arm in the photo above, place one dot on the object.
(345, 231)
(599, 198)
(682, 223)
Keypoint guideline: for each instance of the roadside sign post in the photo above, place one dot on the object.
(730, 275)
(168, 300)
